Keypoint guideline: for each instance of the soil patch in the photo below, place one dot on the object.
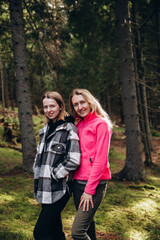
(107, 236)
(120, 146)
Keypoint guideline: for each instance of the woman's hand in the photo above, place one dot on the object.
(86, 199)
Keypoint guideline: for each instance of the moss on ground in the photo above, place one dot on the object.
(129, 211)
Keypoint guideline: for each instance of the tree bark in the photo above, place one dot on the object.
(134, 167)
(2, 84)
(141, 88)
(22, 85)
(157, 22)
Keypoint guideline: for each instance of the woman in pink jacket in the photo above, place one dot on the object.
(94, 129)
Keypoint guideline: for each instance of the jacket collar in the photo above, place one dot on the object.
(45, 128)
(89, 116)
(57, 125)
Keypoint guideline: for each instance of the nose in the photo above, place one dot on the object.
(80, 106)
(48, 109)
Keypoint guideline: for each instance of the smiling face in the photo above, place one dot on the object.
(51, 108)
(80, 105)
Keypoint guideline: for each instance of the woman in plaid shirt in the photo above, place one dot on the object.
(58, 155)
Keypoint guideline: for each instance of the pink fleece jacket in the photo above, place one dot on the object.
(94, 135)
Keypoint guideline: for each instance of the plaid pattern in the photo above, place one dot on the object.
(57, 156)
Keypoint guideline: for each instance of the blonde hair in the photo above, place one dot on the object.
(58, 98)
(93, 102)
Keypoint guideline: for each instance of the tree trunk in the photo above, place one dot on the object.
(141, 88)
(22, 85)
(6, 90)
(157, 21)
(2, 84)
(134, 167)
(108, 102)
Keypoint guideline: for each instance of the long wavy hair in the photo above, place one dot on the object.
(58, 98)
(93, 102)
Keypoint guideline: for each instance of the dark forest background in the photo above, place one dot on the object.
(74, 44)
(112, 48)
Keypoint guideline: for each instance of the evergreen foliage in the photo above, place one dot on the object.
(74, 44)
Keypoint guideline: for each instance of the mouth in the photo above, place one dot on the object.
(82, 112)
(51, 115)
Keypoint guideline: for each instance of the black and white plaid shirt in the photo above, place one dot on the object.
(58, 155)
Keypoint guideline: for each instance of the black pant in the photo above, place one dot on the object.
(49, 224)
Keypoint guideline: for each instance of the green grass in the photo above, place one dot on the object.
(129, 210)
(9, 159)
(38, 122)
(116, 155)
(18, 209)
(155, 133)
(119, 129)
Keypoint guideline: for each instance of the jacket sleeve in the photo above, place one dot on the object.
(40, 145)
(103, 136)
(72, 159)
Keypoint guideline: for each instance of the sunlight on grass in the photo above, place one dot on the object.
(68, 221)
(19, 210)
(130, 210)
(128, 207)
(32, 201)
(20, 227)
(146, 206)
(136, 235)
(154, 178)
(4, 198)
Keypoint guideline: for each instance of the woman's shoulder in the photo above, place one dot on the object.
(43, 130)
(68, 124)
(71, 126)
(99, 120)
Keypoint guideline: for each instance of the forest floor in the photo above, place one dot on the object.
(119, 145)
(129, 211)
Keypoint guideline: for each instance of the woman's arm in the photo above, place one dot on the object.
(103, 136)
(72, 160)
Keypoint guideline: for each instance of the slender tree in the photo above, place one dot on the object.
(2, 83)
(157, 23)
(134, 168)
(141, 85)
(22, 84)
